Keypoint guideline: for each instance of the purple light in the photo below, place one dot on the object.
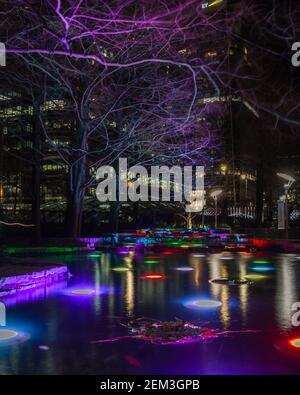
(16, 284)
(184, 269)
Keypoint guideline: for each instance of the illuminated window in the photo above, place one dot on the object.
(210, 54)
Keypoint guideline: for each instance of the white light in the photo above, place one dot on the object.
(184, 268)
(203, 304)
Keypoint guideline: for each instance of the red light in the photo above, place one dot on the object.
(154, 276)
(261, 243)
(167, 252)
(290, 347)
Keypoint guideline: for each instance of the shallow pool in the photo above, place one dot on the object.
(58, 324)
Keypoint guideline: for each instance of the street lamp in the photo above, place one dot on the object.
(215, 195)
(245, 178)
(223, 168)
(290, 180)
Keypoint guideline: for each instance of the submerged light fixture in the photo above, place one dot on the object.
(203, 304)
(83, 291)
(121, 269)
(7, 334)
(154, 276)
(184, 268)
(10, 337)
(295, 343)
(255, 276)
(262, 268)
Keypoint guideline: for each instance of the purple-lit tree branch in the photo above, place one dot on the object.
(132, 76)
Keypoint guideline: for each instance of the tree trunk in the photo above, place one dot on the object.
(74, 213)
(76, 185)
(189, 221)
(259, 194)
(114, 216)
(36, 177)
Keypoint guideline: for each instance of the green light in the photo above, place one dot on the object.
(151, 261)
(255, 276)
(260, 261)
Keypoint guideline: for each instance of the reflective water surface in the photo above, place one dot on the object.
(61, 321)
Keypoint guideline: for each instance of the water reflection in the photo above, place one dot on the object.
(243, 290)
(35, 294)
(67, 325)
(286, 293)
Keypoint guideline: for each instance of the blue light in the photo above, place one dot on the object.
(262, 268)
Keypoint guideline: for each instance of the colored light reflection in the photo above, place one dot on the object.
(184, 268)
(198, 255)
(255, 276)
(229, 281)
(260, 261)
(295, 343)
(225, 258)
(262, 268)
(203, 304)
(151, 261)
(83, 291)
(154, 276)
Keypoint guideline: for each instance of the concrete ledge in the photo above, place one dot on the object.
(16, 278)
